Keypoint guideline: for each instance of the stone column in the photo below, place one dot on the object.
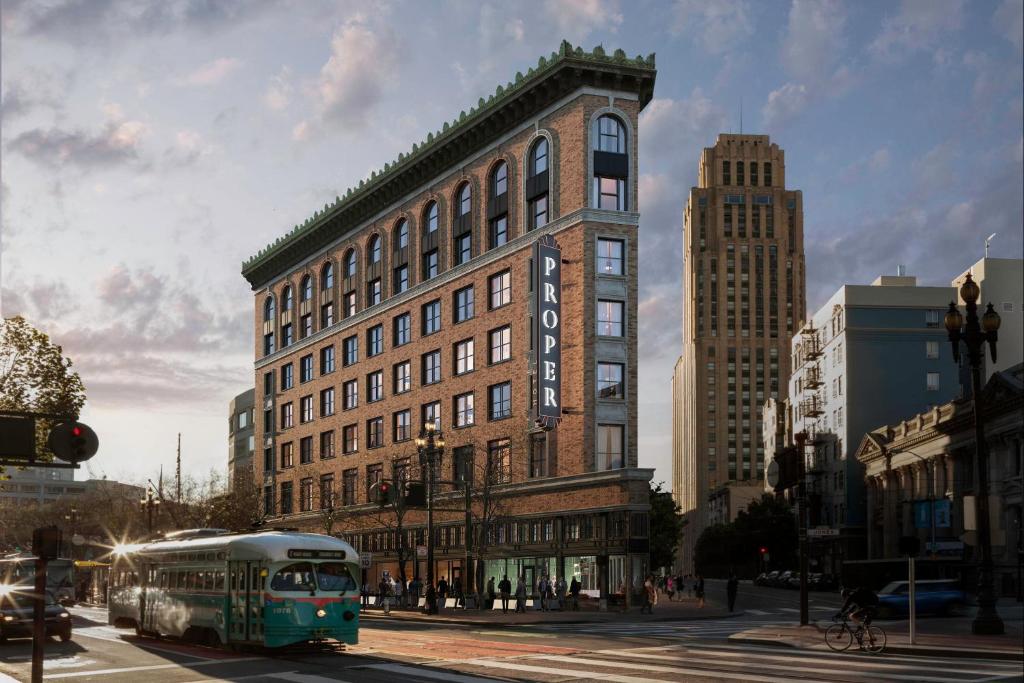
(891, 492)
(871, 484)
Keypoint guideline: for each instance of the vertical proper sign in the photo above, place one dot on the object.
(547, 329)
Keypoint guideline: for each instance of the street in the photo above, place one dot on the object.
(630, 650)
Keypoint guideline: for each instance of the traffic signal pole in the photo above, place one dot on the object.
(801, 507)
(39, 619)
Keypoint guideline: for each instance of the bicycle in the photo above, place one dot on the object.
(840, 636)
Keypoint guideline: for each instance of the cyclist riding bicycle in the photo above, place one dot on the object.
(860, 605)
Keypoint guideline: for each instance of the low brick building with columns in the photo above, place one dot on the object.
(931, 456)
(409, 300)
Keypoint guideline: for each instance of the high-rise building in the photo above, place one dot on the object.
(1001, 283)
(241, 437)
(743, 292)
(417, 298)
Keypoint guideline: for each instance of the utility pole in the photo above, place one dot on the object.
(177, 475)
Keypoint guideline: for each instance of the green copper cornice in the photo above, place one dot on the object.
(554, 76)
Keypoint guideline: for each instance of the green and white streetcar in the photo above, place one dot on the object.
(269, 589)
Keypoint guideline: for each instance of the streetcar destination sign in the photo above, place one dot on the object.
(547, 330)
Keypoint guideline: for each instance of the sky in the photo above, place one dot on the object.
(149, 148)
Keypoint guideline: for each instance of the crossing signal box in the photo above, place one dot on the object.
(384, 494)
(415, 494)
(73, 442)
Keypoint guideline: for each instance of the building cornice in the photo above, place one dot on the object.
(565, 71)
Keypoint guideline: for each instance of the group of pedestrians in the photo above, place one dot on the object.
(552, 592)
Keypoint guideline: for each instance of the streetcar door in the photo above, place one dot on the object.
(254, 599)
(238, 626)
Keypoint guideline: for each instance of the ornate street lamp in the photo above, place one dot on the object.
(430, 444)
(974, 333)
(150, 504)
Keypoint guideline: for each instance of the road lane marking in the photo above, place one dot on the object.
(426, 673)
(151, 667)
(297, 677)
(757, 612)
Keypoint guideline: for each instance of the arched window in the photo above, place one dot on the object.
(430, 218)
(350, 263)
(611, 136)
(400, 263)
(462, 226)
(268, 309)
(402, 234)
(286, 299)
(306, 291)
(374, 249)
(537, 185)
(465, 200)
(327, 277)
(268, 316)
(497, 208)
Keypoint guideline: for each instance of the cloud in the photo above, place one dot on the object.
(873, 163)
(1008, 20)
(933, 172)
(718, 26)
(576, 19)
(920, 25)
(117, 143)
(814, 40)
(210, 73)
(784, 104)
(279, 91)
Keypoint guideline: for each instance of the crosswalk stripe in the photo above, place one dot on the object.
(757, 612)
(789, 609)
(152, 667)
(447, 676)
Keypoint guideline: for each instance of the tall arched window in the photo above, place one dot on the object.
(497, 206)
(400, 262)
(306, 291)
(430, 242)
(430, 218)
(537, 185)
(402, 234)
(327, 277)
(611, 164)
(268, 309)
(350, 263)
(374, 249)
(286, 299)
(462, 226)
(268, 316)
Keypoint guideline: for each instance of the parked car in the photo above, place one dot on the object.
(939, 597)
(794, 581)
(782, 580)
(16, 612)
(770, 577)
(760, 579)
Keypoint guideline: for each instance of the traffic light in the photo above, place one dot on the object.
(46, 542)
(764, 550)
(73, 442)
(384, 493)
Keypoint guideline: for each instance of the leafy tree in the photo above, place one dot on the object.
(666, 527)
(35, 376)
(768, 522)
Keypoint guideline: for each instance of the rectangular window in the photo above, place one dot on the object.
(268, 459)
(462, 463)
(403, 377)
(430, 264)
(287, 415)
(375, 432)
(375, 386)
(931, 318)
(431, 317)
(306, 325)
(610, 193)
(350, 394)
(350, 348)
(374, 293)
(610, 449)
(268, 383)
(401, 279)
(326, 491)
(431, 367)
(609, 257)
(933, 381)
(268, 500)
(374, 475)
(499, 231)
(463, 248)
(306, 368)
(326, 445)
(327, 402)
(431, 412)
(609, 380)
(349, 304)
(768, 175)
(501, 344)
(726, 173)
(464, 410)
(287, 336)
(931, 349)
(374, 340)
(306, 450)
(287, 455)
(268, 344)
(464, 357)
(538, 212)
(499, 461)
(326, 316)
(349, 439)
(463, 304)
(609, 318)
(753, 173)
(500, 401)
(286, 498)
(305, 409)
(306, 494)
(501, 289)
(287, 376)
(349, 484)
(326, 360)
(402, 329)
(402, 426)
(739, 172)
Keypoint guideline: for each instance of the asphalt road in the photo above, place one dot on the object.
(641, 650)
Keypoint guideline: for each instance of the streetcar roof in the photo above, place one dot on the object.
(272, 546)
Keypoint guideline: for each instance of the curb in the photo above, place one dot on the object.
(469, 622)
(922, 651)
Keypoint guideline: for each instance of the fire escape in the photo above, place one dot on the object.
(812, 407)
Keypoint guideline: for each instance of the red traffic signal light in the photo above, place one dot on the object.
(384, 496)
(73, 442)
(764, 550)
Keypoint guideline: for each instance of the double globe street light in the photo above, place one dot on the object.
(974, 333)
(430, 444)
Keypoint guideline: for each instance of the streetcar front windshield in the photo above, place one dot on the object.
(294, 577)
(334, 576)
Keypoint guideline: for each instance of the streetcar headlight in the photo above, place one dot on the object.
(321, 613)
(8, 617)
(64, 615)
(348, 616)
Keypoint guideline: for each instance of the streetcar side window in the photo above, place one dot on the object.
(218, 581)
(182, 576)
(163, 580)
(297, 576)
(334, 576)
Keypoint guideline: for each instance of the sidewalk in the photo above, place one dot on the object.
(588, 613)
(956, 643)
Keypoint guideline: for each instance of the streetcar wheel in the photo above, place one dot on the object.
(873, 640)
(838, 637)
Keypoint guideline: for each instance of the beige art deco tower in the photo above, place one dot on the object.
(743, 294)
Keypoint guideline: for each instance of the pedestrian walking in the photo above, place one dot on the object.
(698, 590)
(365, 591)
(650, 591)
(457, 592)
(431, 603)
(442, 591)
(560, 590)
(670, 587)
(731, 587)
(505, 588)
(680, 585)
(520, 595)
(542, 590)
(384, 588)
(574, 592)
(491, 595)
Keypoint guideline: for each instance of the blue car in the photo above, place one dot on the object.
(941, 597)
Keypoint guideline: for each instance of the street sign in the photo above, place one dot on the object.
(18, 442)
(421, 551)
(822, 532)
(365, 560)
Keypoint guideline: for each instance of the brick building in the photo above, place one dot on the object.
(409, 301)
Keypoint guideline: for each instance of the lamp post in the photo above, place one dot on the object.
(975, 332)
(70, 519)
(149, 504)
(430, 444)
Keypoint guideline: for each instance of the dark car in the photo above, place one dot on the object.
(16, 613)
(941, 597)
